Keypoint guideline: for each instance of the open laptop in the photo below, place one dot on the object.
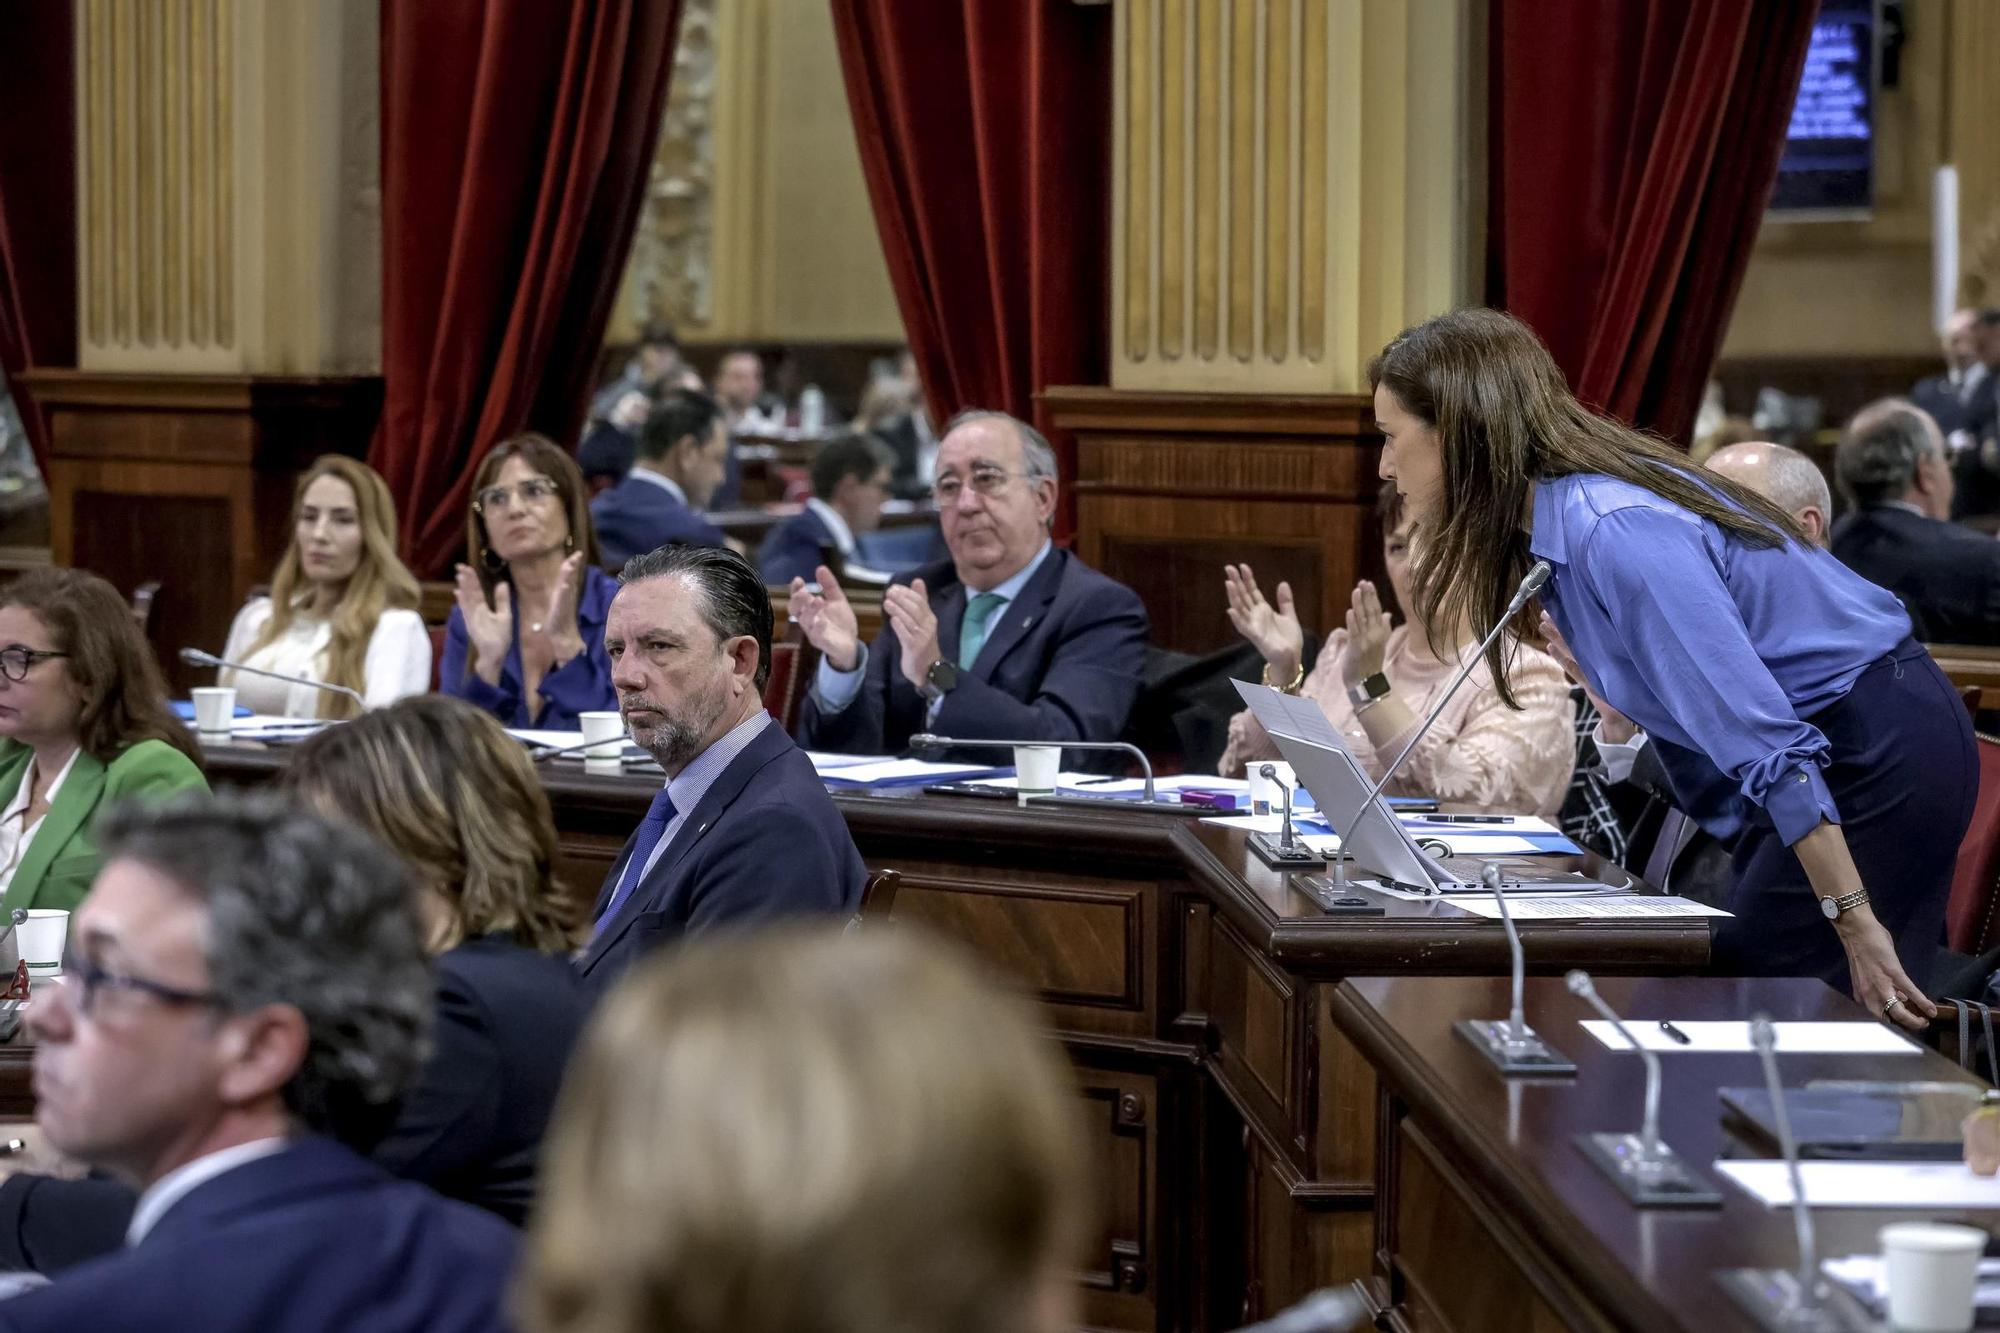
(1376, 840)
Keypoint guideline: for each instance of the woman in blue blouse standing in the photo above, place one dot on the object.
(526, 640)
(1791, 707)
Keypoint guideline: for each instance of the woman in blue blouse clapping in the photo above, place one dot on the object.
(1791, 708)
(526, 640)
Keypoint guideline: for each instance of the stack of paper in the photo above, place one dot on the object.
(875, 772)
(1933, 1187)
(1732, 1036)
(1600, 906)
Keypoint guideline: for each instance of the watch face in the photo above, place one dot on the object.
(1829, 908)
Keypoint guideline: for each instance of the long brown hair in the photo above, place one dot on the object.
(441, 784)
(801, 1131)
(552, 461)
(124, 694)
(380, 581)
(1505, 419)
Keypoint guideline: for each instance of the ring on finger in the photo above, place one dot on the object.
(1890, 1003)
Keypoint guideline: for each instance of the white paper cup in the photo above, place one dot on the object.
(214, 709)
(41, 938)
(1932, 1269)
(604, 733)
(1266, 797)
(1035, 769)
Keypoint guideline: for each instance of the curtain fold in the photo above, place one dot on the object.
(37, 200)
(985, 128)
(1632, 150)
(516, 139)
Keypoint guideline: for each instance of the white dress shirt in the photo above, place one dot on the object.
(178, 1183)
(397, 664)
(14, 839)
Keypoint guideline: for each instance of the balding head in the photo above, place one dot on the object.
(1782, 475)
(1894, 453)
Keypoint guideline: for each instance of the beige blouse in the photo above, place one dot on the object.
(1482, 756)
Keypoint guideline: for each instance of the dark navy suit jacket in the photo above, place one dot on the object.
(507, 1019)
(638, 515)
(308, 1239)
(764, 841)
(792, 550)
(1064, 662)
(1948, 575)
(580, 685)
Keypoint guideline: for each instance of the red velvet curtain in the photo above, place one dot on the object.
(37, 198)
(516, 137)
(1633, 147)
(985, 135)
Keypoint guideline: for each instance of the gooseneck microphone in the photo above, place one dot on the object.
(196, 657)
(1513, 1046)
(925, 741)
(1651, 1174)
(1531, 583)
(1765, 1038)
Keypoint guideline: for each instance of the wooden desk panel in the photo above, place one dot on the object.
(1492, 1219)
(1232, 1126)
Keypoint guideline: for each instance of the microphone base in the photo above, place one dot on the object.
(1665, 1181)
(1771, 1298)
(1531, 1057)
(1273, 853)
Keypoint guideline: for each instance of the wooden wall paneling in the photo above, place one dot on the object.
(1119, 1123)
(188, 480)
(1172, 487)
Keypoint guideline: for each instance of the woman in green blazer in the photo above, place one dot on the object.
(84, 723)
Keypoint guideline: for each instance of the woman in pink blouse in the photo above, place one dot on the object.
(1376, 683)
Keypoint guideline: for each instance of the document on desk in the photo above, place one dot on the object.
(1609, 906)
(1732, 1036)
(1933, 1186)
(901, 773)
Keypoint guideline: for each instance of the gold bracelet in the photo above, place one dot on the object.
(1298, 679)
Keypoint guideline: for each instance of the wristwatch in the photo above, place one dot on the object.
(1368, 691)
(1831, 908)
(938, 681)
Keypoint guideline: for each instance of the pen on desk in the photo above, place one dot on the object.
(1094, 782)
(1466, 819)
(1675, 1033)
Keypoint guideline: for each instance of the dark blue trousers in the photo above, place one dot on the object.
(1904, 776)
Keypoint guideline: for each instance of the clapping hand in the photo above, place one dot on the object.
(1613, 725)
(559, 616)
(488, 628)
(1367, 635)
(828, 620)
(908, 611)
(1274, 631)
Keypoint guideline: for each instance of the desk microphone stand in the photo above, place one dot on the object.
(1651, 1174)
(1284, 852)
(1512, 1045)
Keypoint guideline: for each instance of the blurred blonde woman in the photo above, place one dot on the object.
(801, 1131)
(342, 607)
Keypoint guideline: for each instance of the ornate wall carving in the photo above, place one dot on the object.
(671, 253)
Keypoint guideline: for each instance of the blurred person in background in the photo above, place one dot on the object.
(806, 1131)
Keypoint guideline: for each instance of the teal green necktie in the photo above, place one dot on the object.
(972, 634)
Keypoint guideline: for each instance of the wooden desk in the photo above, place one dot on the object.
(1232, 1126)
(1488, 1216)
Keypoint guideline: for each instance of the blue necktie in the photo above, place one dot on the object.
(972, 634)
(651, 829)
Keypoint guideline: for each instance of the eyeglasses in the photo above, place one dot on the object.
(985, 480)
(530, 492)
(16, 661)
(83, 981)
